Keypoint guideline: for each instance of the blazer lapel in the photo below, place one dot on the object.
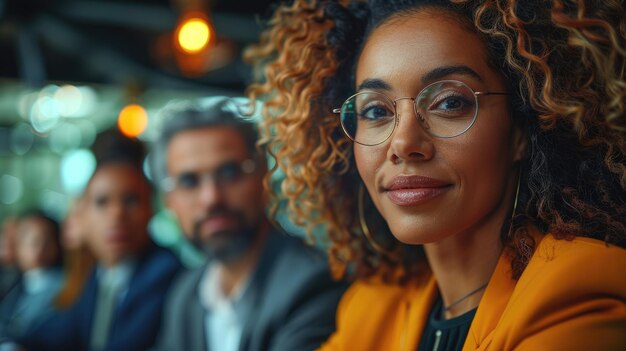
(195, 339)
(495, 301)
(253, 306)
(423, 297)
(192, 318)
(255, 298)
(85, 306)
(491, 307)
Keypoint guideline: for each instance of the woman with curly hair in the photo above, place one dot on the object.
(467, 160)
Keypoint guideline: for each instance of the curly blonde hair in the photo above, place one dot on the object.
(566, 66)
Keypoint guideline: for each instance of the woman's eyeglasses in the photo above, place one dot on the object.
(447, 108)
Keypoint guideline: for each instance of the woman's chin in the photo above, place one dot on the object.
(414, 232)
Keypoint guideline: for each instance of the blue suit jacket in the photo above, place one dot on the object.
(136, 321)
(19, 310)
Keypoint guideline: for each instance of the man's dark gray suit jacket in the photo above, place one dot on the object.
(292, 292)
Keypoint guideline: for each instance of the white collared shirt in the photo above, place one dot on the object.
(224, 319)
(118, 276)
(39, 279)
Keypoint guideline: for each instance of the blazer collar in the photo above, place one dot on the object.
(492, 305)
(495, 300)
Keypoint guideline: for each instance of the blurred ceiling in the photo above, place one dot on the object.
(68, 67)
(122, 42)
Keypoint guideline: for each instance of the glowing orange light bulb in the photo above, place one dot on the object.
(194, 34)
(132, 120)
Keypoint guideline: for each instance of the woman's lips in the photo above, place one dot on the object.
(414, 190)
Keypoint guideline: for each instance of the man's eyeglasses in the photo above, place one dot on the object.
(447, 108)
(224, 175)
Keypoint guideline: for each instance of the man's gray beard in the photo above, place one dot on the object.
(237, 243)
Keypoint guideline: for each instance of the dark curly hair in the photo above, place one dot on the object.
(564, 61)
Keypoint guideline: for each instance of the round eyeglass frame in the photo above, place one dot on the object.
(415, 108)
(168, 184)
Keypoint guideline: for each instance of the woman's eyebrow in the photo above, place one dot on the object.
(442, 72)
(374, 84)
(433, 75)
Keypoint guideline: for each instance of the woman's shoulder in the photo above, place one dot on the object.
(377, 297)
(375, 314)
(571, 294)
(578, 261)
(566, 272)
(562, 273)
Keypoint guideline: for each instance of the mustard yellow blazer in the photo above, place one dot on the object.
(571, 296)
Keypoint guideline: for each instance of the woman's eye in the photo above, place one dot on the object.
(375, 111)
(451, 106)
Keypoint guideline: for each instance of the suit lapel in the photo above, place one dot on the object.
(249, 326)
(491, 307)
(418, 305)
(193, 319)
(495, 301)
(85, 307)
(255, 297)
(195, 327)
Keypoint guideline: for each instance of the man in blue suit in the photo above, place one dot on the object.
(120, 306)
(260, 289)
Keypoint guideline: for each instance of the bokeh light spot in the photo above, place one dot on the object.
(53, 202)
(11, 189)
(22, 139)
(70, 98)
(44, 115)
(77, 166)
(194, 35)
(132, 120)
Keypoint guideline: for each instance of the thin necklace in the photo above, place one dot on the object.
(447, 308)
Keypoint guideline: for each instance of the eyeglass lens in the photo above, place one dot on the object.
(446, 108)
(224, 174)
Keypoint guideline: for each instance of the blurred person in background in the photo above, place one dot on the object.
(120, 306)
(38, 257)
(78, 258)
(9, 274)
(260, 289)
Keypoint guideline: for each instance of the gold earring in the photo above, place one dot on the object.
(365, 229)
(519, 181)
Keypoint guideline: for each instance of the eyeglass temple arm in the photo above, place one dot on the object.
(490, 93)
(336, 110)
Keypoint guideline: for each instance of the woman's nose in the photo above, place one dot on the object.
(410, 140)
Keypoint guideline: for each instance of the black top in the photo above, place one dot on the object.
(445, 335)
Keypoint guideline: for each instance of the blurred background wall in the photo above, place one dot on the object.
(70, 69)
